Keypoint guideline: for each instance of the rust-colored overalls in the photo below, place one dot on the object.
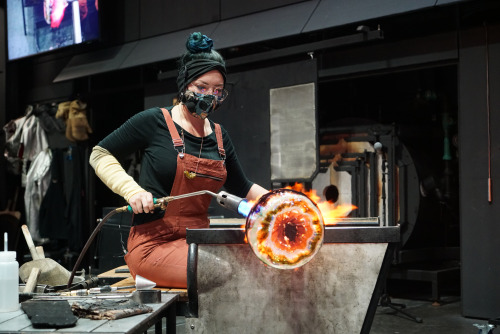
(158, 250)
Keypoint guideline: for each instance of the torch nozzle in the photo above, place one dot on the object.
(229, 201)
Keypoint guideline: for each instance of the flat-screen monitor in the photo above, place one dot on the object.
(39, 26)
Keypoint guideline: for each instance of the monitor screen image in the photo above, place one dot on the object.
(39, 26)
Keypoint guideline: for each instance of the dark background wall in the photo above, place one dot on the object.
(479, 161)
(2, 98)
(158, 17)
(247, 114)
(427, 45)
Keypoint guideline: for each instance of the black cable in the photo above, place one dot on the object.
(89, 242)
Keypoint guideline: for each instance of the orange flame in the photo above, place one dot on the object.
(329, 211)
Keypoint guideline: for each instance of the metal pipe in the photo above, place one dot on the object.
(488, 114)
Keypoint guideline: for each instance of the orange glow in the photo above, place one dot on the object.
(243, 226)
(291, 232)
(329, 211)
(285, 228)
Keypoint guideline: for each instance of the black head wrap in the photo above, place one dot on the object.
(198, 60)
(195, 68)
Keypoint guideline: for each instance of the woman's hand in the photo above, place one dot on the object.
(142, 202)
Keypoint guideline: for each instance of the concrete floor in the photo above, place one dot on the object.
(442, 319)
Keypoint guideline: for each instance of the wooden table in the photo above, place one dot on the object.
(18, 321)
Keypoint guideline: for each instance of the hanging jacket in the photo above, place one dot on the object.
(37, 183)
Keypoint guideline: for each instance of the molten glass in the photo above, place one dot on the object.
(285, 229)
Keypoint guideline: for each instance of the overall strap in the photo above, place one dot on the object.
(176, 139)
(220, 142)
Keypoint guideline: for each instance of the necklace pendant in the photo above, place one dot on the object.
(189, 175)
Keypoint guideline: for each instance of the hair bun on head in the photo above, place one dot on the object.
(199, 43)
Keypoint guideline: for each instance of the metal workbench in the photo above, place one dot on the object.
(18, 321)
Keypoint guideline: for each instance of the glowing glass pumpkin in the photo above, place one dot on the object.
(285, 229)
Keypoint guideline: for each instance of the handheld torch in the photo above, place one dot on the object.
(224, 199)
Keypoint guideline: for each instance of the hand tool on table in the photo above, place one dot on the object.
(141, 283)
(141, 296)
(51, 272)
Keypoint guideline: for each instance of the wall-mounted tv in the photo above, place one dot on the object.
(39, 26)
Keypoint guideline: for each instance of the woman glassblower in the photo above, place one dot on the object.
(183, 152)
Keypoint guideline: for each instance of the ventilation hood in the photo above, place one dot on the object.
(281, 22)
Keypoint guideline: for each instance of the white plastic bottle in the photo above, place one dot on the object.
(9, 280)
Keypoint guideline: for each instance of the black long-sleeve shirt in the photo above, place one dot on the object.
(147, 131)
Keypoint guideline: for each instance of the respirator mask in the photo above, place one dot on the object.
(202, 105)
(199, 105)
